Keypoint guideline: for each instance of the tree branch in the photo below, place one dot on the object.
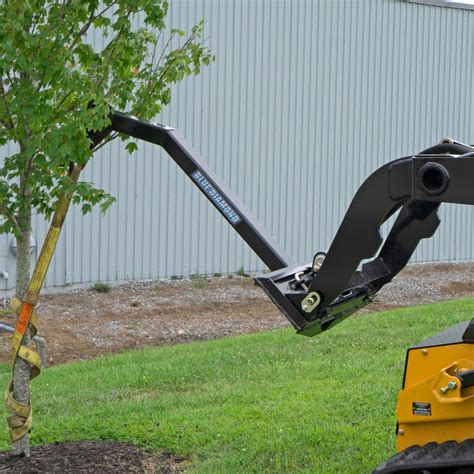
(88, 24)
(116, 38)
(10, 125)
(6, 212)
(39, 16)
(61, 102)
(164, 48)
(26, 175)
(168, 67)
(104, 142)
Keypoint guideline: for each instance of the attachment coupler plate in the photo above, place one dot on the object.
(288, 294)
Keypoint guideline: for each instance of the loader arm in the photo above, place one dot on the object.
(205, 179)
(317, 295)
(335, 285)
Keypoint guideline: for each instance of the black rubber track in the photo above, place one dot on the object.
(448, 457)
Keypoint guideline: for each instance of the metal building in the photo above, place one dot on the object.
(305, 99)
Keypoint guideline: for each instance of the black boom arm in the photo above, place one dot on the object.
(205, 179)
(317, 295)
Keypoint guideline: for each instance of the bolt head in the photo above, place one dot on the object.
(401, 432)
(424, 352)
(318, 261)
(452, 385)
(443, 390)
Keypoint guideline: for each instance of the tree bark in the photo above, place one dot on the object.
(21, 369)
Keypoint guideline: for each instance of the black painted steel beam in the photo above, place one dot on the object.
(208, 183)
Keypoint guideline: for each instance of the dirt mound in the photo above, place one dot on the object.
(89, 457)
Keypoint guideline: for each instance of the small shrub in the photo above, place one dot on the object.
(242, 272)
(101, 287)
(217, 275)
(200, 282)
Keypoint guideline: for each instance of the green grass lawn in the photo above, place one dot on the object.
(269, 402)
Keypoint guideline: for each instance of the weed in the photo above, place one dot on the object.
(242, 273)
(101, 287)
(200, 282)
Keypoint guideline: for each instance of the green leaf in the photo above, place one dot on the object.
(86, 208)
(131, 147)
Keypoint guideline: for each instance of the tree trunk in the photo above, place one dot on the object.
(21, 370)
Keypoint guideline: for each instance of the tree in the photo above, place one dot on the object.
(56, 87)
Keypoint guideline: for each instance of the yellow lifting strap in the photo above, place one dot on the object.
(16, 305)
(20, 421)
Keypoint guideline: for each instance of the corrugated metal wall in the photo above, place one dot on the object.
(305, 99)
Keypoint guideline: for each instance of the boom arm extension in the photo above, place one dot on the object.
(205, 179)
(317, 295)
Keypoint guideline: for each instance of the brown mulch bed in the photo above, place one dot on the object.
(90, 457)
(83, 324)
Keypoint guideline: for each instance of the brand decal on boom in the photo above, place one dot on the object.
(211, 192)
